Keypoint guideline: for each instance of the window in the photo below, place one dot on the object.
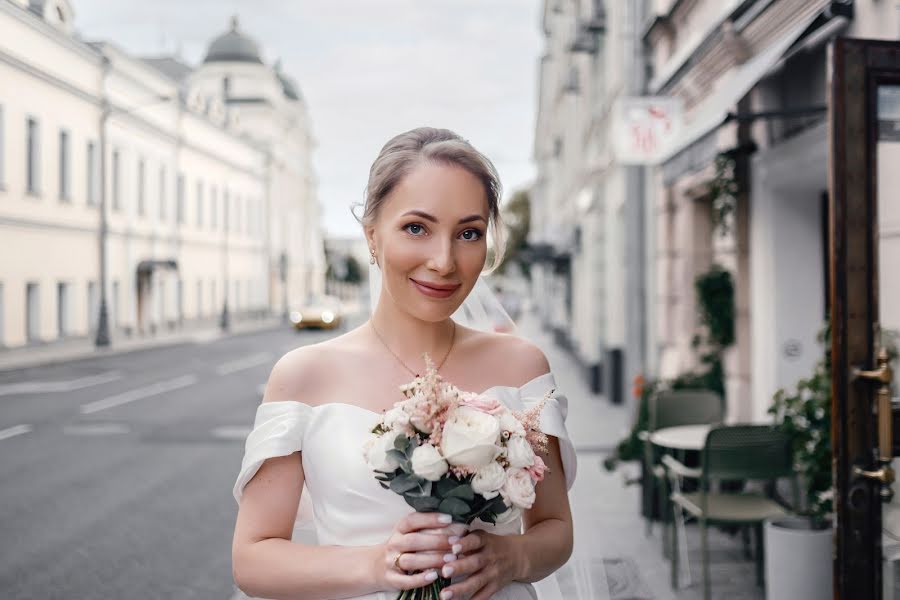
(62, 309)
(141, 185)
(179, 198)
(225, 210)
(32, 311)
(2, 163)
(114, 305)
(199, 204)
(199, 310)
(213, 302)
(213, 206)
(179, 299)
(93, 304)
(116, 181)
(2, 314)
(162, 193)
(91, 191)
(64, 188)
(33, 158)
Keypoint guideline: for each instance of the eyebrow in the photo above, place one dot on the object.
(433, 219)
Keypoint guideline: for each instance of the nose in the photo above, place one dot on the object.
(441, 260)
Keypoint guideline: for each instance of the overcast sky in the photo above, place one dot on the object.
(369, 69)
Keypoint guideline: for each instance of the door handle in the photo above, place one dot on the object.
(883, 375)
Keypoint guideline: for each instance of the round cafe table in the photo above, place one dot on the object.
(682, 437)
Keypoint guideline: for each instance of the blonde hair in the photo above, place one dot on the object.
(404, 152)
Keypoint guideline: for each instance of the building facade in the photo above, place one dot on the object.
(586, 204)
(753, 80)
(205, 174)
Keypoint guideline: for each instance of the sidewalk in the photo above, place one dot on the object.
(83, 347)
(612, 551)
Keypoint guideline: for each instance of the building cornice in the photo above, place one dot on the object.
(62, 84)
(34, 21)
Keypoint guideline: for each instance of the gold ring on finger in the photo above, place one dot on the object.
(397, 562)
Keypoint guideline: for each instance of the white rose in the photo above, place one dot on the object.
(470, 438)
(377, 453)
(519, 453)
(396, 418)
(488, 480)
(518, 489)
(419, 423)
(427, 462)
(508, 422)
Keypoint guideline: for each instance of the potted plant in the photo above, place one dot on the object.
(798, 548)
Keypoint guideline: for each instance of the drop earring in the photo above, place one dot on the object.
(372, 258)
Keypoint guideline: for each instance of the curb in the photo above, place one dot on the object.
(14, 363)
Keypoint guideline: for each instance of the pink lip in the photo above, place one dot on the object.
(435, 292)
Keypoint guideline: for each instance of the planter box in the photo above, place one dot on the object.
(798, 560)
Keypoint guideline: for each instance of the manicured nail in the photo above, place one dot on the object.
(449, 557)
(446, 594)
(452, 539)
(431, 576)
(457, 548)
(448, 571)
(445, 518)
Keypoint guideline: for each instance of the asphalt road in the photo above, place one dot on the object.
(116, 472)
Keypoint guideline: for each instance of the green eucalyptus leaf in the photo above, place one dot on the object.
(422, 504)
(402, 484)
(454, 506)
(463, 491)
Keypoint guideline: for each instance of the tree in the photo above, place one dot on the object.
(353, 273)
(517, 218)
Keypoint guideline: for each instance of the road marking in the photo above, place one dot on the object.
(231, 432)
(42, 387)
(137, 394)
(14, 431)
(248, 362)
(96, 429)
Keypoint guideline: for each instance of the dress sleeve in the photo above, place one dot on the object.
(277, 431)
(553, 420)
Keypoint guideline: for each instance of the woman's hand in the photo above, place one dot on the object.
(421, 541)
(491, 561)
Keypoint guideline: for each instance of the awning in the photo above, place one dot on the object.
(145, 267)
(714, 109)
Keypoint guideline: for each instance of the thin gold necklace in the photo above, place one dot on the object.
(441, 364)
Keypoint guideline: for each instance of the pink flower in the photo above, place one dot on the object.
(485, 404)
(537, 469)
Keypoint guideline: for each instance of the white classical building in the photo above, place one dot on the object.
(584, 200)
(209, 189)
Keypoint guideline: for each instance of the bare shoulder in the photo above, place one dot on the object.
(297, 375)
(302, 374)
(514, 359)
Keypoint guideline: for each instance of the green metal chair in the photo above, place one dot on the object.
(735, 452)
(672, 408)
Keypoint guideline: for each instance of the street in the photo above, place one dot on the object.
(117, 472)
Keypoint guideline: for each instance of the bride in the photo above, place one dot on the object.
(431, 199)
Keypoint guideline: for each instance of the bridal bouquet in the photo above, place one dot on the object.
(456, 452)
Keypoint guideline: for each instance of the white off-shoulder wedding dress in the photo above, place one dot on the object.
(343, 504)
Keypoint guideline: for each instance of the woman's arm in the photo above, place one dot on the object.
(492, 560)
(267, 564)
(547, 542)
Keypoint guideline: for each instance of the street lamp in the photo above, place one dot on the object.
(102, 338)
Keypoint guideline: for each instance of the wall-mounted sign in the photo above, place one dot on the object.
(644, 128)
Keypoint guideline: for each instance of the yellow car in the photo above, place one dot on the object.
(319, 313)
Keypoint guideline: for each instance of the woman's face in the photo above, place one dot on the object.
(431, 233)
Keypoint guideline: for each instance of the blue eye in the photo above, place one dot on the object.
(409, 226)
(472, 239)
